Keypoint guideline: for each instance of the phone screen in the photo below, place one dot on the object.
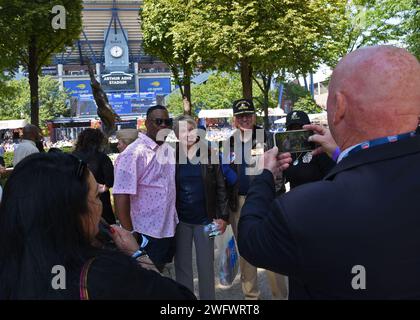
(294, 141)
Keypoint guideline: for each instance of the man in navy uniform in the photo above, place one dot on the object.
(244, 120)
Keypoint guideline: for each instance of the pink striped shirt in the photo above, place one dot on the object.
(150, 184)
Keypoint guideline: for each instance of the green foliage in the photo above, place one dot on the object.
(28, 38)
(165, 27)
(307, 104)
(8, 156)
(412, 29)
(374, 22)
(293, 92)
(159, 19)
(24, 21)
(270, 35)
(218, 92)
(8, 159)
(67, 149)
(15, 100)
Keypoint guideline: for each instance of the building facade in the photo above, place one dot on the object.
(111, 41)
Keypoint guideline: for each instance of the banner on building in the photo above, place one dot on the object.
(118, 81)
(78, 87)
(157, 85)
(122, 103)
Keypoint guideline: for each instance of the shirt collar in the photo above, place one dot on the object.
(344, 153)
(148, 142)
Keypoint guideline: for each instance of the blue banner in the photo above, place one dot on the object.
(77, 87)
(120, 103)
(124, 103)
(157, 85)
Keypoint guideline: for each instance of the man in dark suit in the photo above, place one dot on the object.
(355, 234)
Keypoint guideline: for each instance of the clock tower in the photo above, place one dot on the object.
(116, 51)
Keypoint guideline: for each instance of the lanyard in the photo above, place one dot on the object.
(377, 142)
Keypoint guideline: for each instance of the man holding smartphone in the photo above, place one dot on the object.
(355, 234)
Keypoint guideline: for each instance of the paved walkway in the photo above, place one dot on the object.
(233, 292)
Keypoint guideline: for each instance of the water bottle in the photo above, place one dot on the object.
(212, 230)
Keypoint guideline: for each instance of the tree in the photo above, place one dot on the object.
(28, 37)
(375, 22)
(15, 100)
(218, 92)
(307, 104)
(294, 91)
(413, 29)
(260, 38)
(164, 24)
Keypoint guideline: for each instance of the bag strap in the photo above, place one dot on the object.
(84, 295)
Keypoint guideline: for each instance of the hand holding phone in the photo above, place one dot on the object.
(276, 162)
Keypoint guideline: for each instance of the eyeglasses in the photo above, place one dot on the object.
(159, 121)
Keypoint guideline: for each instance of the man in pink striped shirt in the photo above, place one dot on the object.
(144, 188)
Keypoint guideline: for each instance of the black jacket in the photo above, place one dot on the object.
(364, 213)
(303, 173)
(103, 170)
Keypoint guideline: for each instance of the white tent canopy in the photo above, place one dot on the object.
(273, 112)
(216, 113)
(315, 117)
(12, 124)
(228, 113)
(281, 121)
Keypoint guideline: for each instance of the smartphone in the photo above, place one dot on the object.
(104, 230)
(294, 141)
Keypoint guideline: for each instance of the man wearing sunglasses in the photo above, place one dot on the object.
(144, 188)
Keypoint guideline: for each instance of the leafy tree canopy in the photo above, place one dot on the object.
(307, 104)
(218, 92)
(15, 100)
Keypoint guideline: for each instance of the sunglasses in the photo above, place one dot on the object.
(167, 122)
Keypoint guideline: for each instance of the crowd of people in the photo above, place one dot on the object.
(351, 201)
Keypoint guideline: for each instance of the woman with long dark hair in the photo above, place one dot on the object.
(89, 148)
(49, 220)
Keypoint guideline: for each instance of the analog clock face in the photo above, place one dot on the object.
(116, 51)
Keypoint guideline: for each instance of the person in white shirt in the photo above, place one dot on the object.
(31, 134)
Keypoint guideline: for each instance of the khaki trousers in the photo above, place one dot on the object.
(249, 276)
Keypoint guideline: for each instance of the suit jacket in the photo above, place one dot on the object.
(364, 217)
